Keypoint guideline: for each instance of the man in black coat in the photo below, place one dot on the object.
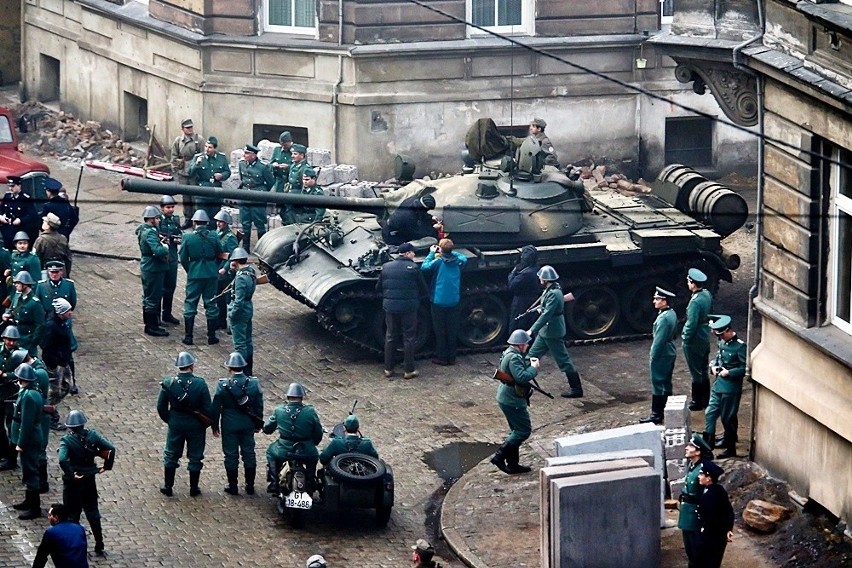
(715, 515)
(524, 286)
(17, 213)
(60, 207)
(411, 221)
(402, 286)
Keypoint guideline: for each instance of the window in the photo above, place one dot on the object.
(5, 131)
(689, 141)
(840, 249)
(504, 16)
(666, 11)
(291, 16)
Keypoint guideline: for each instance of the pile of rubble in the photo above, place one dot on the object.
(616, 181)
(50, 133)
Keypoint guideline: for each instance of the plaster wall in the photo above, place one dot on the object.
(10, 41)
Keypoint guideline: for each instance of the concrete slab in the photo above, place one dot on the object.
(676, 414)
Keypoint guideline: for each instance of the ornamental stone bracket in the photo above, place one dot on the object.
(734, 90)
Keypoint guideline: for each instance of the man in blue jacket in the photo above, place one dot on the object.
(64, 542)
(445, 267)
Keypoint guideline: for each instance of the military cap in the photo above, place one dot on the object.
(223, 216)
(187, 123)
(422, 546)
(712, 469)
(663, 293)
(285, 137)
(720, 324)
(428, 201)
(167, 200)
(52, 185)
(150, 212)
(700, 443)
(351, 423)
(185, 359)
(11, 332)
(309, 173)
(404, 248)
(61, 306)
(52, 220)
(200, 216)
(13, 180)
(539, 122)
(251, 148)
(21, 236)
(54, 265)
(213, 141)
(300, 148)
(696, 276)
(25, 372)
(24, 278)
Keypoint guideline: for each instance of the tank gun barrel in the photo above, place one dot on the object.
(374, 205)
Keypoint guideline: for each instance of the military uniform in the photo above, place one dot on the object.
(241, 310)
(238, 424)
(18, 206)
(229, 242)
(292, 214)
(281, 155)
(27, 262)
(199, 256)
(687, 520)
(48, 290)
(202, 175)
(550, 327)
(349, 443)
(52, 246)
(255, 176)
(182, 150)
(514, 402)
(28, 313)
(299, 431)
(42, 384)
(180, 397)
(8, 390)
(153, 267)
(27, 433)
(696, 345)
(5, 264)
(726, 392)
(663, 352)
(170, 231)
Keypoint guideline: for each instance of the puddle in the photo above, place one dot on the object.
(454, 460)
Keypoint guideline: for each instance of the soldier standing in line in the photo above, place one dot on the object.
(42, 384)
(254, 176)
(27, 313)
(199, 255)
(8, 390)
(239, 402)
(241, 307)
(57, 287)
(550, 327)
(23, 259)
(153, 267)
(696, 338)
(662, 356)
(77, 452)
(58, 345)
(728, 368)
(295, 214)
(26, 435)
(209, 169)
(297, 168)
(229, 243)
(170, 232)
(52, 245)
(184, 404)
(184, 147)
(17, 213)
(280, 164)
(514, 401)
(696, 452)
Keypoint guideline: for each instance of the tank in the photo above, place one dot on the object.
(610, 250)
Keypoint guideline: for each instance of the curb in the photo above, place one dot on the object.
(452, 537)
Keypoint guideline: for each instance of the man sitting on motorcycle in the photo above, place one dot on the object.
(351, 442)
(300, 431)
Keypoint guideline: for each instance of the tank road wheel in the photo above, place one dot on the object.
(593, 313)
(482, 320)
(637, 308)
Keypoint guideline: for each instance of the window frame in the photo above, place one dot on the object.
(300, 30)
(526, 27)
(838, 204)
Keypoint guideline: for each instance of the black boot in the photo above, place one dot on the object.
(188, 325)
(11, 461)
(708, 439)
(272, 479)
(168, 481)
(720, 441)
(575, 387)
(23, 505)
(512, 459)
(34, 510)
(194, 477)
(43, 485)
(699, 400)
(231, 488)
(499, 458)
(211, 332)
(247, 240)
(730, 447)
(249, 368)
(167, 311)
(658, 405)
(151, 326)
(98, 533)
(250, 475)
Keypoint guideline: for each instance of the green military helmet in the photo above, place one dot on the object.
(25, 372)
(21, 236)
(351, 423)
(200, 217)
(239, 253)
(24, 278)
(167, 200)
(10, 332)
(150, 212)
(76, 418)
(548, 273)
(223, 216)
(519, 337)
(17, 357)
(235, 361)
(295, 390)
(185, 359)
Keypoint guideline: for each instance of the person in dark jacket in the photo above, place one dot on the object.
(401, 284)
(715, 516)
(445, 266)
(64, 542)
(411, 221)
(524, 286)
(59, 206)
(17, 213)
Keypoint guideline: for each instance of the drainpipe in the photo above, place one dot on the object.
(758, 226)
(336, 88)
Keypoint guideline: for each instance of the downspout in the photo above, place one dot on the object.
(758, 230)
(336, 88)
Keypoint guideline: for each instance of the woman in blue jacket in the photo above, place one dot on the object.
(445, 265)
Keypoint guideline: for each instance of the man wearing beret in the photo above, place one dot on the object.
(729, 368)
(351, 442)
(254, 176)
(209, 169)
(663, 354)
(184, 147)
(294, 214)
(697, 452)
(51, 244)
(281, 160)
(696, 338)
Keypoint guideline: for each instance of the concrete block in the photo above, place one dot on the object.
(236, 156)
(345, 173)
(674, 438)
(547, 474)
(675, 469)
(366, 189)
(645, 454)
(676, 414)
(332, 189)
(586, 506)
(319, 157)
(273, 222)
(676, 487)
(325, 177)
(266, 148)
(234, 181)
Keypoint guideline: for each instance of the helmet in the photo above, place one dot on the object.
(200, 217)
(21, 236)
(25, 372)
(519, 337)
(61, 306)
(239, 254)
(296, 390)
(316, 561)
(150, 212)
(167, 200)
(223, 216)
(24, 278)
(17, 357)
(235, 361)
(10, 332)
(548, 273)
(351, 423)
(185, 359)
(76, 418)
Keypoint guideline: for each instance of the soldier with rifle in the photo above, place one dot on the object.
(8, 392)
(27, 437)
(153, 267)
(26, 313)
(42, 383)
(229, 243)
(170, 232)
(241, 307)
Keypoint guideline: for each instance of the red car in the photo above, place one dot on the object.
(14, 163)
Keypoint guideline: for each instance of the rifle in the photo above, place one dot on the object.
(531, 309)
(508, 380)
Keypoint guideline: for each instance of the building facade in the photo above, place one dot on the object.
(370, 79)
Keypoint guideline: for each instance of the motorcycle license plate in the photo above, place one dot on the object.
(298, 500)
